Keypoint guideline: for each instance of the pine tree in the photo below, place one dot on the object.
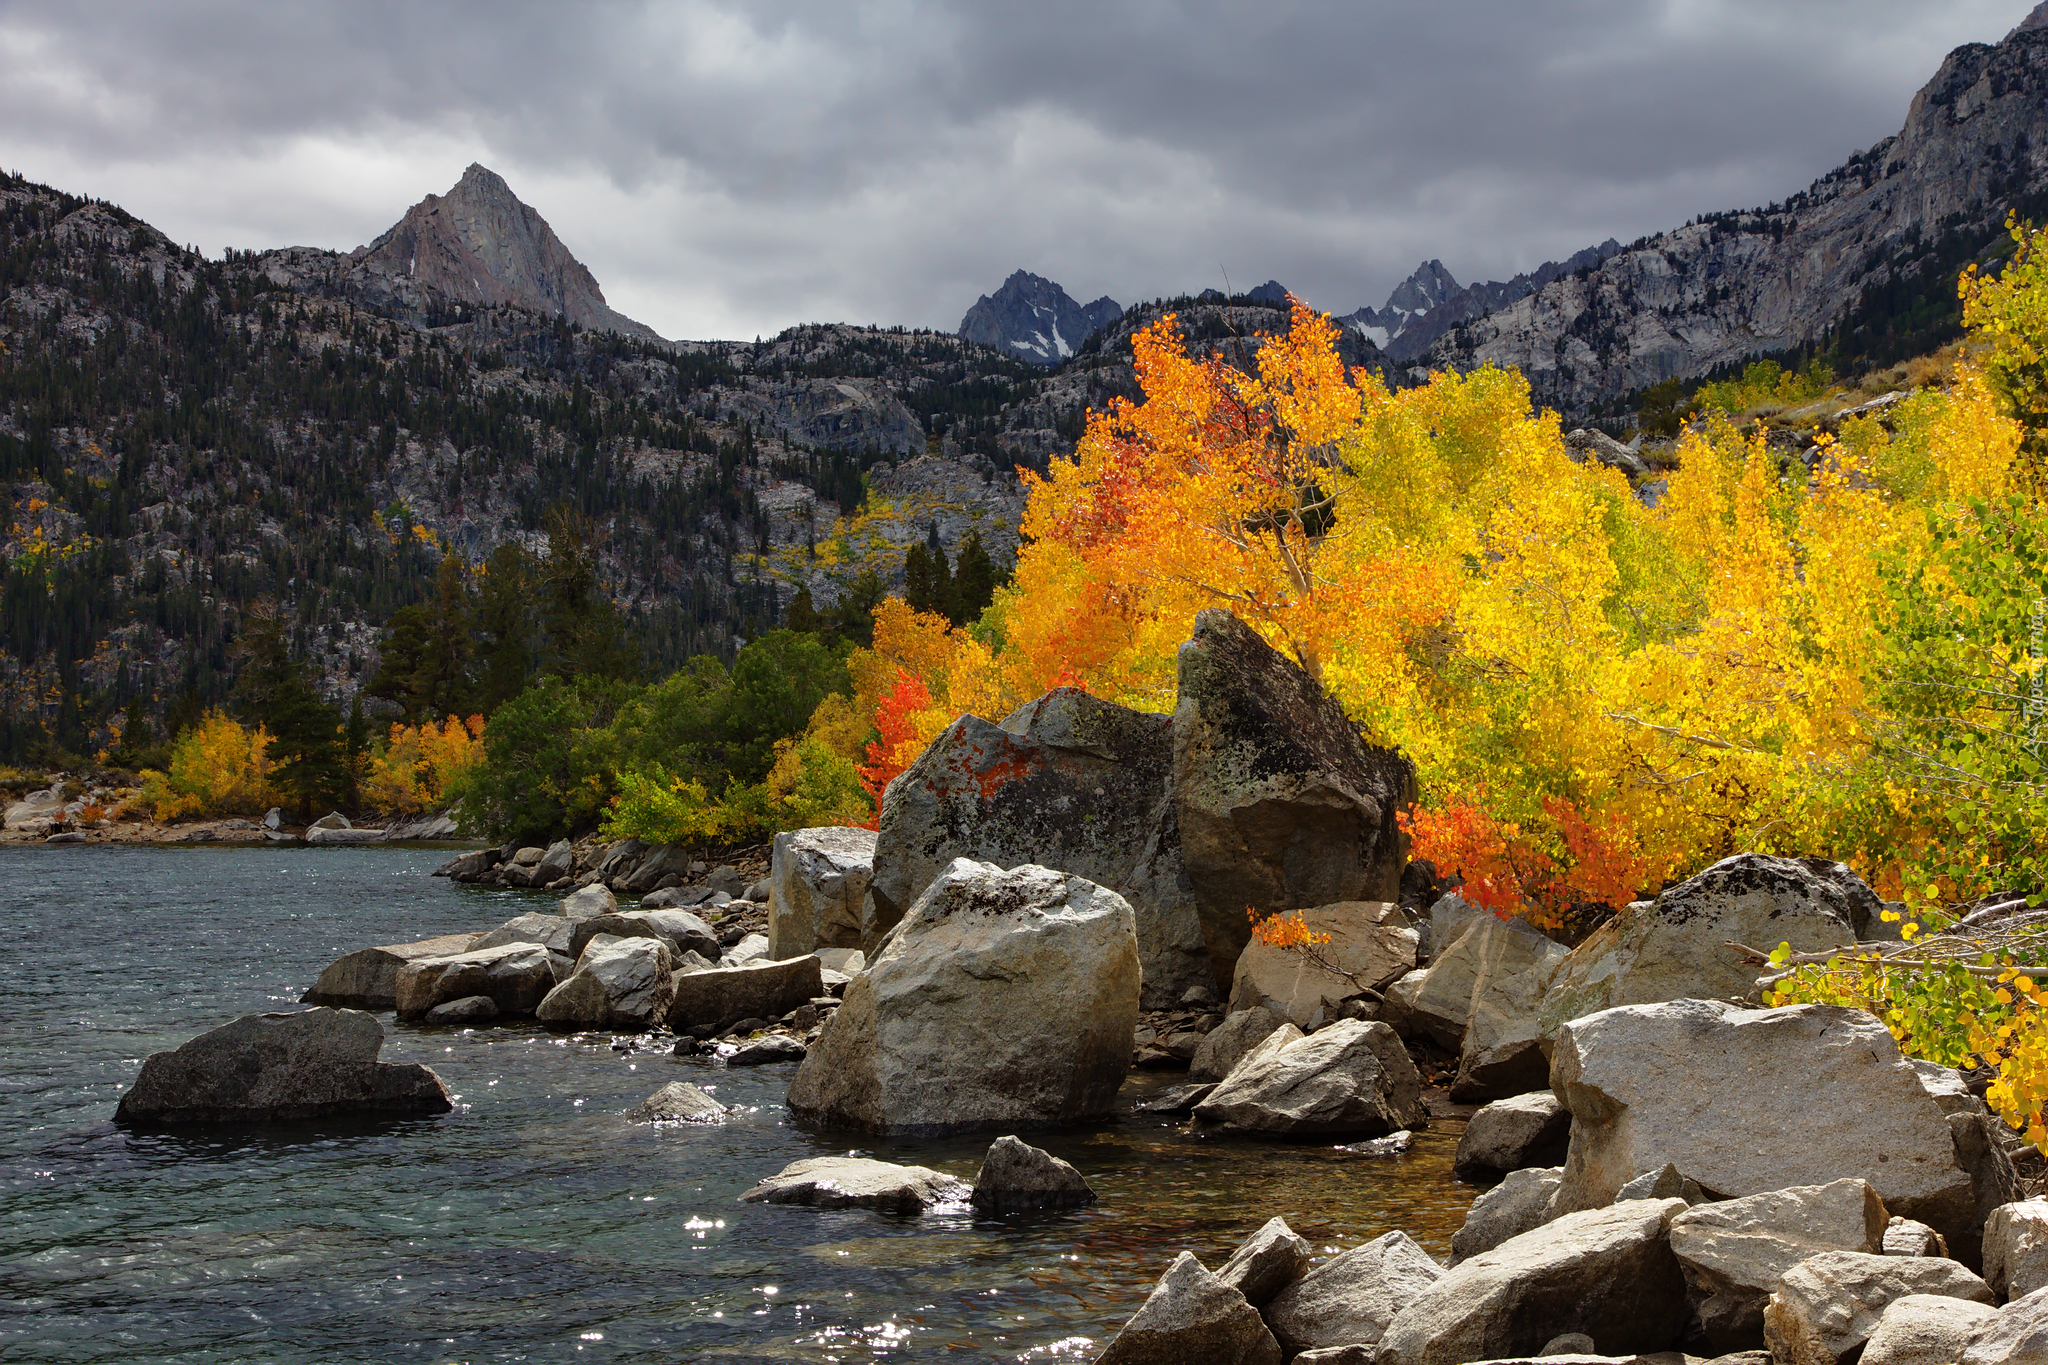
(275, 691)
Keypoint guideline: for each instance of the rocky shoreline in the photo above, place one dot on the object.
(1672, 1171)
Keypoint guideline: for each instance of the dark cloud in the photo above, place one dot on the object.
(729, 168)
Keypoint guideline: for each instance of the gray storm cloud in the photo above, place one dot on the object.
(729, 169)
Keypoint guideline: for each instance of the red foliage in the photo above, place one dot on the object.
(896, 727)
(1506, 869)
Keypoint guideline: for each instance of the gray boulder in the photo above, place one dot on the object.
(1746, 1101)
(817, 885)
(625, 983)
(1519, 1204)
(1904, 1237)
(768, 1050)
(515, 975)
(1192, 1318)
(2016, 1248)
(550, 931)
(1675, 947)
(1370, 945)
(1224, 1046)
(681, 930)
(677, 1102)
(2016, 1335)
(558, 861)
(318, 835)
(1266, 1262)
(1608, 1273)
(1509, 1134)
(1352, 1079)
(720, 997)
(1069, 782)
(750, 948)
(847, 1182)
(1351, 1298)
(367, 979)
(1280, 803)
(470, 1009)
(1925, 1329)
(1734, 1253)
(275, 1068)
(1004, 999)
(1479, 998)
(587, 902)
(1015, 1175)
(1825, 1308)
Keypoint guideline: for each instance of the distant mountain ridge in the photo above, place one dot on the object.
(1863, 259)
(1034, 319)
(1431, 302)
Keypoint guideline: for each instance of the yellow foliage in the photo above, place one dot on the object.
(419, 763)
(217, 768)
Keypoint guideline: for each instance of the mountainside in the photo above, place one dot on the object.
(1034, 319)
(478, 246)
(181, 437)
(1863, 259)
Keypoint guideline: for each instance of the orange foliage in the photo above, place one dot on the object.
(1508, 869)
(418, 764)
(1284, 931)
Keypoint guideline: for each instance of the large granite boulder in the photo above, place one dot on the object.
(1224, 1046)
(1280, 803)
(1351, 1079)
(1069, 782)
(1735, 1252)
(1675, 947)
(1266, 1262)
(1003, 999)
(721, 996)
(1825, 1308)
(1607, 1273)
(550, 931)
(1192, 1318)
(817, 884)
(1925, 1329)
(1519, 1204)
(1746, 1101)
(2016, 1335)
(2016, 1248)
(1479, 998)
(1015, 1175)
(1369, 945)
(367, 979)
(852, 1182)
(515, 975)
(1350, 1298)
(681, 930)
(1510, 1134)
(623, 983)
(274, 1068)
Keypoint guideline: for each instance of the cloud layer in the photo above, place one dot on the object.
(729, 169)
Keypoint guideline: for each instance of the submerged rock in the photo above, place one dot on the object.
(269, 1068)
(677, 1102)
(845, 1182)
(1352, 1079)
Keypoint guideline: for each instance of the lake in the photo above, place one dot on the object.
(533, 1223)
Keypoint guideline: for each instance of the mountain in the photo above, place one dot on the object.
(477, 246)
(1431, 302)
(183, 437)
(1034, 319)
(1862, 262)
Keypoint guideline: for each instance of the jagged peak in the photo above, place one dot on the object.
(2036, 19)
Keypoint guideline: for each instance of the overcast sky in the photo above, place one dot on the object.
(731, 169)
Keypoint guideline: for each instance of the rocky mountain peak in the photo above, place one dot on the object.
(2037, 19)
(1430, 302)
(481, 245)
(1034, 319)
(1429, 286)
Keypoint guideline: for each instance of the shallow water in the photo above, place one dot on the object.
(533, 1223)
